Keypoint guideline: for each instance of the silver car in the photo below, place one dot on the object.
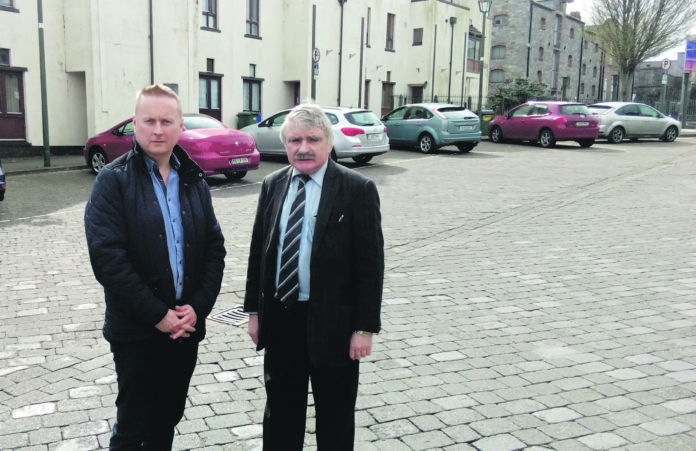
(619, 120)
(358, 134)
(429, 126)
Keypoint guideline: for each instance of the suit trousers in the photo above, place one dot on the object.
(287, 373)
(153, 382)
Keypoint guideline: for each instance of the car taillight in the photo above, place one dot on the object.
(350, 131)
(202, 147)
(560, 120)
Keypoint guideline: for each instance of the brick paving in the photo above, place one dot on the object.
(534, 299)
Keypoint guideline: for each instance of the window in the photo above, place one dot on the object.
(570, 60)
(500, 20)
(594, 71)
(474, 47)
(417, 36)
(391, 18)
(252, 19)
(582, 89)
(210, 64)
(539, 76)
(572, 33)
(543, 23)
(8, 5)
(541, 53)
(498, 52)
(209, 95)
(594, 89)
(586, 44)
(584, 69)
(366, 100)
(596, 47)
(209, 17)
(4, 57)
(497, 76)
(252, 91)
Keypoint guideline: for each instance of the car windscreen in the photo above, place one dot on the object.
(574, 108)
(455, 112)
(194, 122)
(362, 118)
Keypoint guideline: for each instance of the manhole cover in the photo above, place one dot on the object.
(234, 316)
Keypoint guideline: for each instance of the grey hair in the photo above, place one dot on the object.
(308, 116)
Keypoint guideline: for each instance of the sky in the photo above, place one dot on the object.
(585, 8)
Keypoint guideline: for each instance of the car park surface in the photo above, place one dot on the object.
(358, 134)
(621, 120)
(429, 126)
(216, 148)
(546, 123)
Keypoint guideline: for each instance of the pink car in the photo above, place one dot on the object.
(216, 148)
(546, 123)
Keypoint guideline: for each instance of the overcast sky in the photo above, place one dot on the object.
(585, 8)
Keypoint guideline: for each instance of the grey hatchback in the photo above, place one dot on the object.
(429, 126)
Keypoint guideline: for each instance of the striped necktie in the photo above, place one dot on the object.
(288, 279)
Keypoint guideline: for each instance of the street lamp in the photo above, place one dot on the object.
(484, 7)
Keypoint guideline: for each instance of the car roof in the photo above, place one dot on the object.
(434, 105)
(615, 104)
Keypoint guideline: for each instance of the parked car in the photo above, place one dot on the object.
(216, 148)
(546, 123)
(3, 185)
(358, 134)
(619, 120)
(429, 126)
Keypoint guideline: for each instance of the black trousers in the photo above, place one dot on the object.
(153, 381)
(287, 372)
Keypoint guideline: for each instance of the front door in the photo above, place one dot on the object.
(12, 118)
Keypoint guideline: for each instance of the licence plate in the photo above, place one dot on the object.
(582, 124)
(242, 160)
(465, 127)
(373, 136)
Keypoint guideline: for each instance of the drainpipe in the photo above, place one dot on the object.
(44, 95)
(152, 51)
(340, 54)
(360, 74)
(529, 36)
(432, 77)
(452, 21)
(582, 47)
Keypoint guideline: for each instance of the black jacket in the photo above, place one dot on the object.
(347, 263)
(128, 247)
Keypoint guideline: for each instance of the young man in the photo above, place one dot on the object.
(314, 286)
(157, 248)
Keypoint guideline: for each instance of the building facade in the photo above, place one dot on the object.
(224, 58)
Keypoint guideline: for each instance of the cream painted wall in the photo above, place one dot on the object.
(98, 55)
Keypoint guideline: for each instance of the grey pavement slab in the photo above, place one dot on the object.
(534, 299)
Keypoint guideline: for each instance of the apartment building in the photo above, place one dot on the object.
(224, 57)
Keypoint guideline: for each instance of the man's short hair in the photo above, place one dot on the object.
(307, 116)
(159, 90)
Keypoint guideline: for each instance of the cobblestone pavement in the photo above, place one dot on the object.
(534, 299)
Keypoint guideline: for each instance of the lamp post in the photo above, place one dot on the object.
(484, 7)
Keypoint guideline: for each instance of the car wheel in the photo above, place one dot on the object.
(670, 134)
(546, 138)
(464, 148)
(425, 143)
(362, 159)
(496, 135)
(97, 160)
(235, 175)
(586, 142)
(616, 135)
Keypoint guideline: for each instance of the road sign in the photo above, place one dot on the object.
(315, 55)
(666, 63)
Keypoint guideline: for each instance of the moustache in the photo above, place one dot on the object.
(304, 156)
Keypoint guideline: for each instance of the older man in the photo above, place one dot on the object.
(314, 286)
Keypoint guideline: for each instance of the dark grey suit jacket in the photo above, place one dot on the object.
(347, 263)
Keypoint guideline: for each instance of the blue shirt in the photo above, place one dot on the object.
(168, 198)
(312, 197)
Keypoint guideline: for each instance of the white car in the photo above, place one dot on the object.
(619, 120)
(358, 134)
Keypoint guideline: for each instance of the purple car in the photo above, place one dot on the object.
(216, 148)
(546, 123)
